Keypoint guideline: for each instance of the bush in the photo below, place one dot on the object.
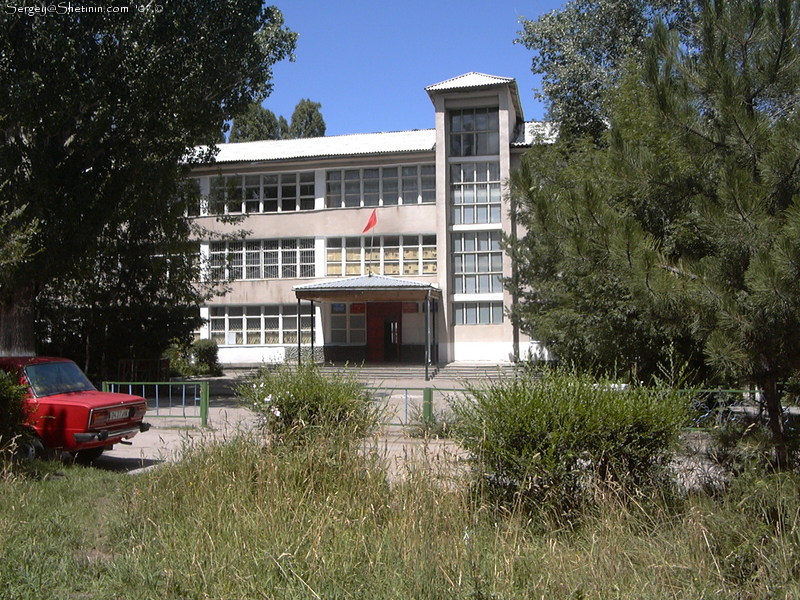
(206, 357)
(12, 411)
(551, 440)
(201, 358)
(300, 404)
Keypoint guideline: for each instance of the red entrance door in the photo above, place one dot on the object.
(384, 321)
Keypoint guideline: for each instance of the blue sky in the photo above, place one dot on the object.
(368, 61)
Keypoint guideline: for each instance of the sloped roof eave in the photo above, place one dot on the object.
(367, 288)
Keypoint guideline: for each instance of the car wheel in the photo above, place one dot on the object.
(86, 457)
(29, 448)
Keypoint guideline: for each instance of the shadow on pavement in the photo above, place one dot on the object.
(123, 464)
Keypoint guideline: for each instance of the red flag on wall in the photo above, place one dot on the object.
(373, 220)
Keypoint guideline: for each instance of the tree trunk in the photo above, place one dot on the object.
(16, 322)
(775, 418)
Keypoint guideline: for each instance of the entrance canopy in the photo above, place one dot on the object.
(369, 288)
(382, 328)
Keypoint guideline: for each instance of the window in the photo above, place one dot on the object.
(474, 132)
(280, 192)
(478, 313)
(390, 255)
(380, 186)
(348, 323)
(262, 259)
(475, 193)
(191, 197)
(259, 325)
(225, 195)
(477, 262)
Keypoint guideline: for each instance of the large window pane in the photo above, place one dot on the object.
(477, 262)
(478, 313)
(474, 194)
(474, 132)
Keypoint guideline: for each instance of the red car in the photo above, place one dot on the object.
(66, 413)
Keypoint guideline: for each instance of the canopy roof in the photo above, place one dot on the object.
(375, 288)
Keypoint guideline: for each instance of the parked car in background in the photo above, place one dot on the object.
(66, 413)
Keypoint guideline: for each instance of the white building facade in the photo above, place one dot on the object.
(440, 208)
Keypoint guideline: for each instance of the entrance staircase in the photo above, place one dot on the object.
(449, 375)
(453, 372)
(475, 371)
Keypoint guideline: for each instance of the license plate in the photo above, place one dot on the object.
(116, 415)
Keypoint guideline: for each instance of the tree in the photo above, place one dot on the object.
(307, 120)
(14, 241)
(258, 123)
(580, 50)
(283, 126)
(131, 299)
(691, 214)
(576, 292)
(98, 112)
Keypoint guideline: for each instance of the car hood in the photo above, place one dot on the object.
(90, 399)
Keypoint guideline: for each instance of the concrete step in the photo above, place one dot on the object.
(475, 371)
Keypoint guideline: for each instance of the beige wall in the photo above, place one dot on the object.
(415, 218)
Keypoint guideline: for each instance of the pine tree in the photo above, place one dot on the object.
(685, 227)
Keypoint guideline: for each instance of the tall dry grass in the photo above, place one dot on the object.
(245, 520)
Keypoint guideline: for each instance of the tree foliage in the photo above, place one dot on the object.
(98, 111)
(129, 300)
(259, 123)
(307, 120)
(684, 228)
(580, 50)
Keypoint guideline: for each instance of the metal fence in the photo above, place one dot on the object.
(181, 399)
(719, 406)
(422, 405)
(406, 406)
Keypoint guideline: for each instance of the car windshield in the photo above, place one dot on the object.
(47, 379)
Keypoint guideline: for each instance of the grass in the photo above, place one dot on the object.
(241, 520)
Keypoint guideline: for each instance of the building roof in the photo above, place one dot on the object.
(469, 80)
(474, 80)
(366, 287)
(417, 140)
(372, 144)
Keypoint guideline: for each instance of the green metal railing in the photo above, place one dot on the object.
(186, 399)
(406, 404)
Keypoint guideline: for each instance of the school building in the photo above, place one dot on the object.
(378, 247)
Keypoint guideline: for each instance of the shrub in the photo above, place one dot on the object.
(206, 357)
(180, 359)
(299, 404)
(201, 358)
(552, 439)
(12, 411)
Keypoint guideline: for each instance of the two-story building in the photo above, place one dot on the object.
(422, 283)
